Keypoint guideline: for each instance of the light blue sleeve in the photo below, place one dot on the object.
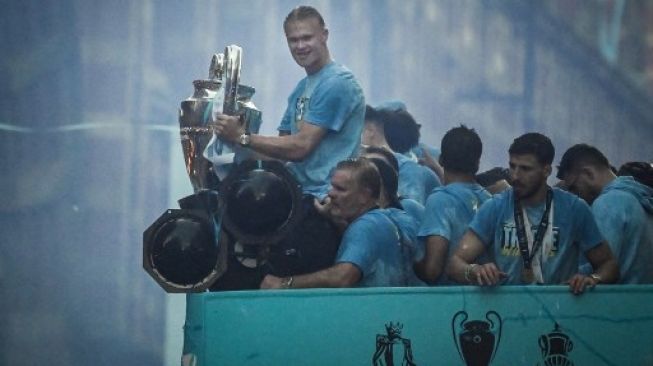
(413, 208)
(612, 216)
(358, 245)
(485, 221)
(590, 236)
(431, 180)
(285, 121)
(332, 102)
(436, 220)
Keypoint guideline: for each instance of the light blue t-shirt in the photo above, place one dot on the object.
(382, 243)
(331, 99)
(574, 232)
(415, 181)
(413, 208)
(419, 151)
(624, 214)
(449, 209)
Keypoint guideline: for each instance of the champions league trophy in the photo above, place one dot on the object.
(185, 250)
(240, 207)
(208, 158)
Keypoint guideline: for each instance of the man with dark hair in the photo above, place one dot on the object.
(622, 208)
(450, 208)
(424, 154)
(402, 132)
(376, 249)
(415, 181)
(390, 180)
(533, 232)
(641, 171)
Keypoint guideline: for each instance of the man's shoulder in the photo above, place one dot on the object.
(337, 74)
(370, 217)
(440, 196)
(372, 225)
(616, 199)
(568, 201)
(500, 199)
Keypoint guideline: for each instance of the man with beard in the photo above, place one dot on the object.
(622, 208)
(378, 245)
(533, 233)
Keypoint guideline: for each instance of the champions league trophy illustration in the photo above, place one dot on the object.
(240, 207)
(476, 340)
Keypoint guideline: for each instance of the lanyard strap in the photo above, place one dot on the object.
(541, 230)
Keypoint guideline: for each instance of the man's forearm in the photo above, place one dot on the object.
(609, 271)
(287, 147)
(457, 268)
(339, 275)
(430, 268)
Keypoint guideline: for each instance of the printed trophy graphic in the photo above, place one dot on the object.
(555, 347)
(385, 353)
(476, 340)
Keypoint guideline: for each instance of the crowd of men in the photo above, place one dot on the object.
(401, 213)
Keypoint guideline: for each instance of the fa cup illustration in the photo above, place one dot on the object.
(476, 340)
(555, 348)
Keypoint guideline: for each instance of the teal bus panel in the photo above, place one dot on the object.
(531, 325)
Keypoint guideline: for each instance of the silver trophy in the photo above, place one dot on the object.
(208, 158)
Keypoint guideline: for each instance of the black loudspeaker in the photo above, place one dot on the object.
(181, 253)
(221, 241)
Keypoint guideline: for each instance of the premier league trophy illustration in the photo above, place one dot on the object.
(385, 354)
(555, 348)
(476, 340)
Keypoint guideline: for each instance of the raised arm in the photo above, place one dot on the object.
(286, 147)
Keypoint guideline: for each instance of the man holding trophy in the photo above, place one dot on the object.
(320, 127)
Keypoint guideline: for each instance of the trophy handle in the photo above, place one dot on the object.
(544, 345)
(232, 63)
(456, 339)
(570, 346)
(216, 70)
(496, 323)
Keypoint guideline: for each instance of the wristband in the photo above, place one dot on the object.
(287, 282)
(468, 270)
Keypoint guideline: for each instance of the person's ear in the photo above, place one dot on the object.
(548, 170)
(588, 172)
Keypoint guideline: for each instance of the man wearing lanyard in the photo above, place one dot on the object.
(533, 233)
